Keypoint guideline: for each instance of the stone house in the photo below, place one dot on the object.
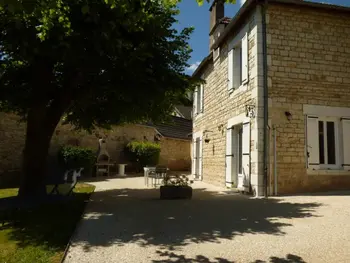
(273, 116)
(173, 138)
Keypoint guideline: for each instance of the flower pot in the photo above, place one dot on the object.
(175, 192)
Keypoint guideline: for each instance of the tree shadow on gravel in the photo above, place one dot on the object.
(171, 257)
(118, 217)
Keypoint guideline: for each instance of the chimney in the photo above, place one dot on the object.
(217, 13)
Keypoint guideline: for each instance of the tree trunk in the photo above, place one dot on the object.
(40, 128)
(43, 117)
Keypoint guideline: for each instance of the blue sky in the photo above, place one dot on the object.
(198, 17)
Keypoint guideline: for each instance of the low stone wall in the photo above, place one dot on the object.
(175, 153)
(11, 142)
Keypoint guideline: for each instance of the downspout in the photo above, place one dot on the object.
(275, 159)
(266, 102)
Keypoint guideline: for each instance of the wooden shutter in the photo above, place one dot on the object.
(237, 67)
(195, 103)
(245, 58)
(201, 102)
(200, 162)
(229, 156)
(230, 70)
(346, 143)
(194, 156)
(246, 155)
(312, 144)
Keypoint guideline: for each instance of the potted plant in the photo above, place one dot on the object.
(176, 187)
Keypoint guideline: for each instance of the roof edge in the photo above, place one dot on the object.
(250, 4)
(228, 28)
(312, 4)
(203, 64)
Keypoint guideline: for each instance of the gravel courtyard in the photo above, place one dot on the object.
(127, 223)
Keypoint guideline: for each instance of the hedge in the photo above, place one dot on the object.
(72, 157)
(143, 153)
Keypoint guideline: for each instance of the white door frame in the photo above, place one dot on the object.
(239, 154)
(197, 160)
(231, 157)
(239, 121)
(244, 177)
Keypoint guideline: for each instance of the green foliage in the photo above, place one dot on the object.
(72, 157)
(51, 12)
(93, 62)
(143, 153)
(97, 64)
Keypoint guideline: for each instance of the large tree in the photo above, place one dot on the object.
(49, 12)
(112, 64)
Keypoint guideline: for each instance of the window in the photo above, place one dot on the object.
(326, 137)
(323, 143)
(198, 99)
(238, 64)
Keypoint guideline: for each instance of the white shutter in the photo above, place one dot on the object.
(229, 155)
(346, 143)
(200, 162)
(194, 156)
(245, 58)
(201, 102)
(195, 95)
(230, 70)
(246, 155)
(312, 144)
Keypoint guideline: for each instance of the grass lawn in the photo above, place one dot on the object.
(41, 235)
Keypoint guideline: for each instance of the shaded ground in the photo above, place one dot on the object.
(41, 233)
(127, 223)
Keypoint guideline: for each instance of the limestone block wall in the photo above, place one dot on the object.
(220, 105)
(308, 63)
(11, 141)
(116, 138)
(175, 153)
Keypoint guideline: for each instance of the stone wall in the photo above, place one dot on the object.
(175, 153)
(220, 105)
(11, 142)
(308, 63)
(116, 138)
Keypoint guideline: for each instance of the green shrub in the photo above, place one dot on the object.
(72, 157)
(143, 153)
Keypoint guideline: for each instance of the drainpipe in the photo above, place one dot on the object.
(266, 102)
(275, 158)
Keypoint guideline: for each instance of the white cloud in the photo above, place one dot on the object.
(241, 2)
(193, 67)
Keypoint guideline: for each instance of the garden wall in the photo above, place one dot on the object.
(175, 153)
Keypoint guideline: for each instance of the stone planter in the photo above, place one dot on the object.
(175, 192)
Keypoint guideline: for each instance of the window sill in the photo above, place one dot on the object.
(240, 89)
(327, 172)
